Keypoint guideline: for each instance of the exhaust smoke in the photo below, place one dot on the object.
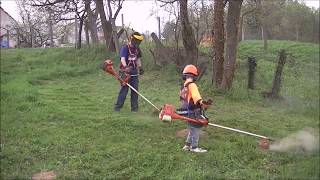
(304, 141)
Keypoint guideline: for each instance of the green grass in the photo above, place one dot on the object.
(57, 114)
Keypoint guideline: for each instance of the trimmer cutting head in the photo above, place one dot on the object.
(123, 77)
(108, 67)
(264, 143)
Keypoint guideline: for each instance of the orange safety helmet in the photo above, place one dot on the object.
(190, 69)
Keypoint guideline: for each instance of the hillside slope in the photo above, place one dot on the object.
(57, 115)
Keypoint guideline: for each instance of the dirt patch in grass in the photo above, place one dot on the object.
(50, 175)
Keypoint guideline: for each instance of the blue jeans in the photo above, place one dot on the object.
(193, 136)
(133, 81)
(194, 129)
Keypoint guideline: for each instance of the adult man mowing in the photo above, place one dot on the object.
(130, 57)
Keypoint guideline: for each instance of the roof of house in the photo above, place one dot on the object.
(7, 14)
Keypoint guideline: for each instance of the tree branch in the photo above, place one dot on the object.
(119, 8)
(167, 2)
(48, 3)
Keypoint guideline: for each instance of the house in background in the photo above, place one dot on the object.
(6, 21)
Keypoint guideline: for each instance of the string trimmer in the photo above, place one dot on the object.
(123, 78)
(168, 112)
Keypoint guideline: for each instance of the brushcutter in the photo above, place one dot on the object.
(123, 78)
(168, 113)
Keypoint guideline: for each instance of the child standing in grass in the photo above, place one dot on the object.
(191, 106)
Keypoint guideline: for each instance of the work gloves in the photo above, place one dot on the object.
(127, 70)
(205, 104)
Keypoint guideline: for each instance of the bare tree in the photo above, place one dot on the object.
(172, 29)
(199, 18)
(35, 29)
(80, 10)
(92, 25)
(188, 37)
(262, 23)
(244, 12)
(232, 42)
(106, 25)
(63, 10)
(112, 19)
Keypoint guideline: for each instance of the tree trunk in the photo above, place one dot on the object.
(91, 23)
(50, 29)
(252, 72)
(241, 30)
(263, 26)
(156, 40)
(32, 37)
(106, 26)
(80, 33)
(297, 33)
(76, 30)
(278, 75)
(264, 36)
(113, 27)
(18, 38)
(176, 32)
(86, 30)
(189, 41)
(315, 36)
(8, 39)
(218, 42)
(159, 30)
(114, 35)
(232, 42)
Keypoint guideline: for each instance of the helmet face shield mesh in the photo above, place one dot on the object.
(189, 75)
(135, 42)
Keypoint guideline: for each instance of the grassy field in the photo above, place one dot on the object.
(57, 115)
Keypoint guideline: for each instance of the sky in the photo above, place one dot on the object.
(140, 15)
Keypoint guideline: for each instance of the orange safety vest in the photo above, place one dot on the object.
(189, 95)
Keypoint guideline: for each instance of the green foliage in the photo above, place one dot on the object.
(57, 114)
(285, 20)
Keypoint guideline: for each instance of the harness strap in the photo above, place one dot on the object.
(132, 54)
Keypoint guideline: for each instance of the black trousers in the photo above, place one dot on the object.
(134, 82)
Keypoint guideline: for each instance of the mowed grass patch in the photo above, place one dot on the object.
(64, 122)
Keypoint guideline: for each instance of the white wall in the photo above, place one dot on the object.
(6, 22)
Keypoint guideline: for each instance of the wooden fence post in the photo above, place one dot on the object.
(278, 74)
(252, 72)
